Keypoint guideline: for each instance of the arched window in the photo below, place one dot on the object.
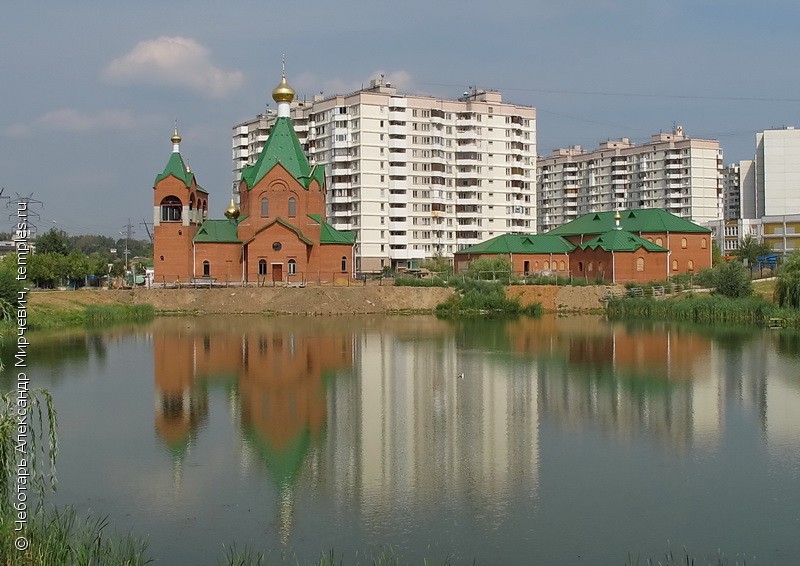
(546, 265)
(684, 243)
(171, 209)
(206, 269)
(344, 264)
(674, 265)
(562, 265)
(640, 264)
(292, 207)
(600, 266)
(292, 267)
(536, 264)
(591, 266)
(580, 266)
(659, 242)
(262, 267)
(264, 207)
(191, 202)
(691, 265)
(703, 243)
(650, 240)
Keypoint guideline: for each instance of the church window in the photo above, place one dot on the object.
(292, 267)
(344, 264)
(674, 265)
(703, 244)
(206, 269)
(640, 264)
(262, 267)
(292, 207)
(171, 209)
(660, 242)
(684, 243)
(264, 207)
(690, 265)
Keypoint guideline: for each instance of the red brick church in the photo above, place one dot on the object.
(277, 232)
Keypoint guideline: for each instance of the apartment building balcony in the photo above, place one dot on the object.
(674, 164)
(398, 169)
(466, 134)
(398, 185)
(397, 142)
(341, 199)
(341, 169)
(398, 130)
(470, 122)
(570, 177)
(467, 237)
(674, 175)
(469, 145)
(468, 224)
(397, 115)
(398, 239)
(619, 182)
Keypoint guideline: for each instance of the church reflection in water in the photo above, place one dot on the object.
(275, 374)
(401, 425)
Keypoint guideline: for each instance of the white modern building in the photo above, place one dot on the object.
(414, 176)
(679, 174)
(776, 190)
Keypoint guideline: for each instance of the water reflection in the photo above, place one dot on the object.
(372, 412)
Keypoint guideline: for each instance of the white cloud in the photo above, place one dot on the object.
(176, 62)
(72, 120)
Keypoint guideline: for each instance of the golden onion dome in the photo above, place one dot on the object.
(175, 137)
(283, 92)
(232, 212)
(617, 216)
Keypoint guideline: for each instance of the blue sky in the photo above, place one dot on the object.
(90, 90)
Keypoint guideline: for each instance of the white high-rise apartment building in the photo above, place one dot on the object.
(414, 176)
(672, 171)
(777, 175)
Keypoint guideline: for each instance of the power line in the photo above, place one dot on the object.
(635, 94)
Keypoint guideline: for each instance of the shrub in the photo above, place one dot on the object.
(733, 280)
(787, 289)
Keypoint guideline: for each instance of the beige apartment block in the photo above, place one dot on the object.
(413, 176)
(672, 171)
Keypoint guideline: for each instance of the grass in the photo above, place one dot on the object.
(478, 298)
(707, 309)
(89, 316)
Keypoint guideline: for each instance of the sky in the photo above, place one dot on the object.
(90, 91)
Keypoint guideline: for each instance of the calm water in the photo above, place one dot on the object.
(568, 441)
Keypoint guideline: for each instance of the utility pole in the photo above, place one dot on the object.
(23, 203)
(128, 236)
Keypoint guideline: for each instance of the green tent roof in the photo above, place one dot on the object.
(218, 231)
(521, 244)
(330, 235)
(283, 462)
(177, 168)
(621, 241)
(637, 221)
(283, 147)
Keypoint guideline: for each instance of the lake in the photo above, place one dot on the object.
(569, 440)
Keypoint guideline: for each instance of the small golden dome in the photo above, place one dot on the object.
(617, 216)
(232, 212)
(283, 92)
(175, 137)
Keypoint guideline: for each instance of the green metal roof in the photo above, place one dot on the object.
(638, 221)
(177, 168)
(218, 231)
(621, 241)
(330, 235)
(521, 244)
(283, 222)
(283, 147)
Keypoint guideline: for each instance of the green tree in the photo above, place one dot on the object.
(47, 269)
(490, 267)
(716, 254)
(787, 289)
(733, 280)
(9, 287)
(751, 249)
(53, 241)
(76, 266)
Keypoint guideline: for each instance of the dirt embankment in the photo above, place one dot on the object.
(309, 300)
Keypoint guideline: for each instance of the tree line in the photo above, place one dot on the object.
(63, 260)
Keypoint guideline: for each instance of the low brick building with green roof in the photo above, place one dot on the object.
(627, 246)
(527, 253)
(277, 232)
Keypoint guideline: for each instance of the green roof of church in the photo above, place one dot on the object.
(283, 147)
(521, 244)
(639, 220)
(218, 231)
(177, 168)
(330, 235)
(621, 241)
